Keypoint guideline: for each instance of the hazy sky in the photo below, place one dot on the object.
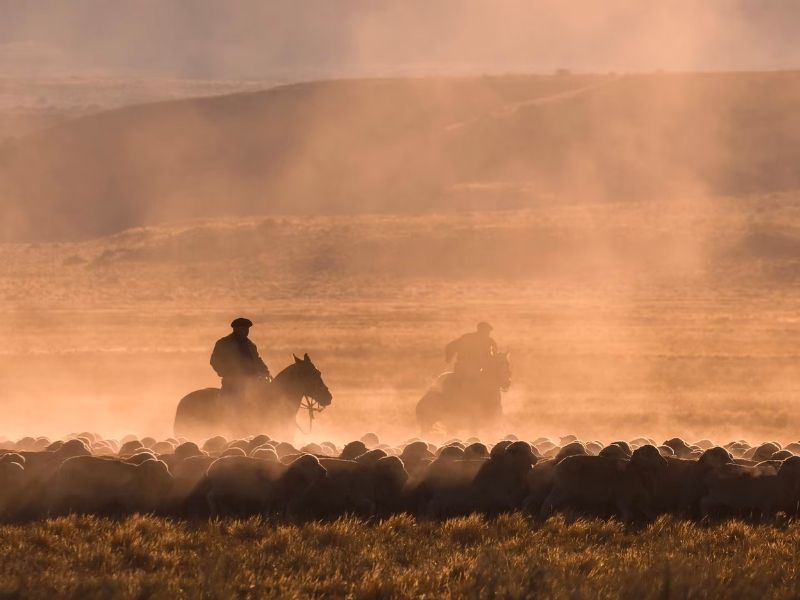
(309, 38)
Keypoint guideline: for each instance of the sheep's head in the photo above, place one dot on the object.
(304, 471)
(571, 449)
(618, 450)
(648, 458)
(391, 470)
(522, 453)
(353, 450)
(715, 457)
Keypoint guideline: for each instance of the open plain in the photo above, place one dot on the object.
(630, 308)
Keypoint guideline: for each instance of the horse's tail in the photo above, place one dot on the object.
(197, 414)
(428, 411)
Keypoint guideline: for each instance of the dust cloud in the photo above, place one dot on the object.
(614, 188)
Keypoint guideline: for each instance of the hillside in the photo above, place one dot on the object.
(405, 145)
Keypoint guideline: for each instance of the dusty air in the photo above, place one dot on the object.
(399, 299)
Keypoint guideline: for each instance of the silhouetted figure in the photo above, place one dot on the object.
(472, 351)
(235, 358)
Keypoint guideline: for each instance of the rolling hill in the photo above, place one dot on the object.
(405, 146)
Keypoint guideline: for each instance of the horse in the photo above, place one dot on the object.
(454, 404)
(267, 407)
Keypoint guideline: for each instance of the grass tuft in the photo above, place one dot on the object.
(469, 557)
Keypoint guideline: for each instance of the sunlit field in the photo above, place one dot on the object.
(146, 557)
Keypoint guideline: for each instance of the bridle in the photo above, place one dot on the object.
(312, 406)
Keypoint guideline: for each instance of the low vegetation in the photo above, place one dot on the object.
(148, 557)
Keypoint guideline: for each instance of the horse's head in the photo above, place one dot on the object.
(499, 370)
(311, 379)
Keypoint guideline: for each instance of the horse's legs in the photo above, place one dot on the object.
(427, 413)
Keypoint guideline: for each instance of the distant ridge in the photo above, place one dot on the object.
(405, 145)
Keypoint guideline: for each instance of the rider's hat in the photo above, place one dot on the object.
(484, 325)
(241, 322)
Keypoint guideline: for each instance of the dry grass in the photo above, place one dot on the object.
(144, 557)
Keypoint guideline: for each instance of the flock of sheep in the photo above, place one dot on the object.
(634, 480)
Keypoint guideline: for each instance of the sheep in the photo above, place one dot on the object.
(794, 448)
(640, 441)
(666, 451)
(242, 445)
(541, 476)
(500, 447)
(617, 450)
(454, 452)
(99, 485)
(12, 480)
(130, 448)
(187, 449)
(163, 448)
(437, 476)
(389, 478)
(680, 447)
(26, 444)
(571, 449)
(139, 457)
(330, 448)
(39, 468)
(285, 449)
(54, 446)
(753, 491)
(215, 445)
(242, 485)
(604, 485)
(416, 457)
(239, 486)
(72, 448)
(681, 486)
(371, 457)
(262, 476)
(233, 451)
(257, 441)
(476, 450)
(265, 453)
(102, 449)
(765, 451)
(705, 444)
(366, 489)
(9, 457)
(370, 440)
(781, 455)
(593, 448)
(502, 482)
(491, 486)
(312, 448)
(540, 483)
(353, 450)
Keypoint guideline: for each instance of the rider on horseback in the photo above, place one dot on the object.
(472, 351)
(235, 358)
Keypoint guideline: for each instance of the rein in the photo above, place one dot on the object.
(312, 406)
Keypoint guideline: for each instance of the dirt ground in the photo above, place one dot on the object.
(615, 328)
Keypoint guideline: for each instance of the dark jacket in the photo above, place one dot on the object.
(237, 358)
(472, 352)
